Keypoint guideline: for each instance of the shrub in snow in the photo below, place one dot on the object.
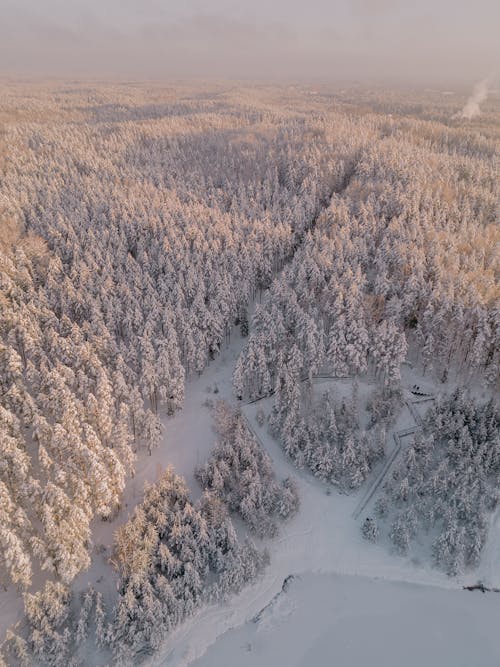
(385, 404)
(381, 506)
(370, 529)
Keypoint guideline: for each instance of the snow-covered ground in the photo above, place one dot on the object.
(489, 568)
(322, 539)
(187, 440)
(325, 620)
(321, 545)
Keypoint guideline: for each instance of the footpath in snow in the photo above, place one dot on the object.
(320, 545)
(187, 440)
(322, 538)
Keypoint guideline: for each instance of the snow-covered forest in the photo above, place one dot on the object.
(240, 472)
(345, 243)
(447, 483)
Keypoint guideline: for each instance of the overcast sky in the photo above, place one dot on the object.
(405, 40)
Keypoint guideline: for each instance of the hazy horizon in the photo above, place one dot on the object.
(365, 40)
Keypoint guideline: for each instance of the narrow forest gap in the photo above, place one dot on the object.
(185, 443)
(187, 436)
(217, 374)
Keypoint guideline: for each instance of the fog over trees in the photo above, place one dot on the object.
(395, 41)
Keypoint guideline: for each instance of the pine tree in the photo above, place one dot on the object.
(370, 529)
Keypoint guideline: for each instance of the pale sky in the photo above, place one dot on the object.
(394, 40)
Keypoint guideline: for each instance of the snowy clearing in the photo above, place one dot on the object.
(322, 538)
(325, 620)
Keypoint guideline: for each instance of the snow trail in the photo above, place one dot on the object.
(322, 539)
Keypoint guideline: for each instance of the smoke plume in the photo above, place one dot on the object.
(479, 94)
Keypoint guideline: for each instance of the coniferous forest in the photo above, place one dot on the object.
(342, 245)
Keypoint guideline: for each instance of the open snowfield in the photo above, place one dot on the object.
(324, 620)
(322, 545)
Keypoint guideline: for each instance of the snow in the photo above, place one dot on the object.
(322, 545)
(323, 541)
(324, 620)
(489, 567)
(322, 538)
(187, 440)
